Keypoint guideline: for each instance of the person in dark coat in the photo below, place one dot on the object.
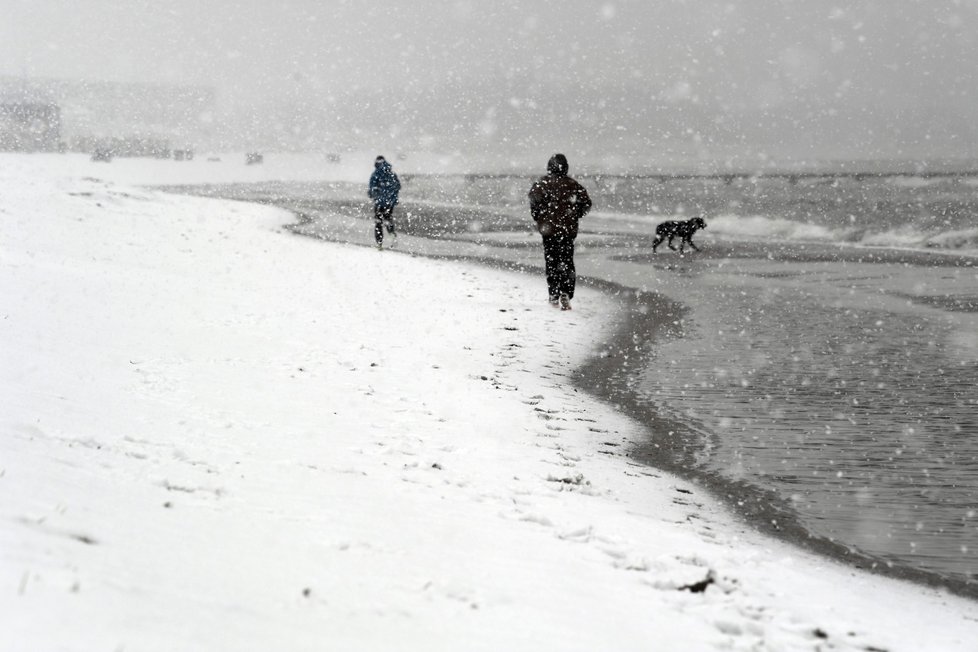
(384, 188)
(557, 203)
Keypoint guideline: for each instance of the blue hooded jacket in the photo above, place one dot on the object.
(384, 184)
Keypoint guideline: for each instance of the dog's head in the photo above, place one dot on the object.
(696, 223)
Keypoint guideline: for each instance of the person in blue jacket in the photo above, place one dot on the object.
(384, 188)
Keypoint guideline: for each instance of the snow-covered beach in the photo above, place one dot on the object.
(218, 435)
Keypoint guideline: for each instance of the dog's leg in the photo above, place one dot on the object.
(658, 240)
(671, 236)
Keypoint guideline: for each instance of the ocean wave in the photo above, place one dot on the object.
(906, 236)
(761, 227)
(902, 237)
(961, 239)
(916, 182)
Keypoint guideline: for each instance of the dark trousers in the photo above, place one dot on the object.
(558, 252)
(383, 215)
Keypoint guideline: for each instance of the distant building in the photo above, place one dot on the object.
(134, 119)
(30, 127)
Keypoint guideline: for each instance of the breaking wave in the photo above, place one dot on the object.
(958, 240)
(759, 227)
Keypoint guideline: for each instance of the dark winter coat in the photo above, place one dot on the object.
(384, 185)
(558, 202)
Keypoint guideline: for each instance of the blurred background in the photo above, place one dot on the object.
(626, 83)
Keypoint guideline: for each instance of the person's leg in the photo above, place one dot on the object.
(550, 259)
(389, 219)
(564, 270)
(561, 264)
(389, 222)
(569, 277)
(378, 224)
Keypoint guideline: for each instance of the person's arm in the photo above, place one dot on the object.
(536, 200)
(584, 200)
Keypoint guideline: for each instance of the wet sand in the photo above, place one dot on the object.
(658, 292)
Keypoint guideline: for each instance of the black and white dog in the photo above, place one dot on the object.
(684, 230)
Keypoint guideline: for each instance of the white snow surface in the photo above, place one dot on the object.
(217, 435)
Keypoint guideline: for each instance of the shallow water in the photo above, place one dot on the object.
(860, 411)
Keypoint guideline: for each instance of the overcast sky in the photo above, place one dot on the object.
(811, 77)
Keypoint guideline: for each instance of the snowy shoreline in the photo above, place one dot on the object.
(201, 451)
(646, 317)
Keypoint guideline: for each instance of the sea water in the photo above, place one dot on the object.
(860, 409)
(849, 388)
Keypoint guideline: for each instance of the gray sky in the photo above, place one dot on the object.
(785, 78)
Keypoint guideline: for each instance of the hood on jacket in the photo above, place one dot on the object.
(557, 165)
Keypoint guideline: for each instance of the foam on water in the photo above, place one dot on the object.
(736, 227)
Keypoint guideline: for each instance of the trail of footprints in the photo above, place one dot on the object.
(691, 583)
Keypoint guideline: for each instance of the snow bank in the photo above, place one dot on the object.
(217, 435)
